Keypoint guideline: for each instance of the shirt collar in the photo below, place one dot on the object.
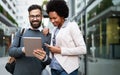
(65, 24)
(40, 28)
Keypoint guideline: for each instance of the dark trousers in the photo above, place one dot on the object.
(63, 72)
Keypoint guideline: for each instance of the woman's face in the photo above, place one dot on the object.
(56, 19)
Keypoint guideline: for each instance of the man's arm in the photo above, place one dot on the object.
(15, 50)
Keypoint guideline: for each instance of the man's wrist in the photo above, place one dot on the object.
(45, 59)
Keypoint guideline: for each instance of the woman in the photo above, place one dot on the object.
(67, 42)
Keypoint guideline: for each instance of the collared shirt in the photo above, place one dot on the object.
(54, 63)
(40, 28)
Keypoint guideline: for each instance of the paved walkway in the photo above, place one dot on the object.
(104, 67)
(101, 67)
(3, 61)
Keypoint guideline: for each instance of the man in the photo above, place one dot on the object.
(30, 65)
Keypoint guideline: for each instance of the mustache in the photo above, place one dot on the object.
(36, 21)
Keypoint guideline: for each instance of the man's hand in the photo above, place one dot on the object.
(40, 54)
(11, 59)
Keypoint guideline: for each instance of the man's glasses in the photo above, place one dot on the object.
(35, 16)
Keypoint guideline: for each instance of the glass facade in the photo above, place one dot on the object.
(4, 43)
(106, 38)
(105, 27)
(4, 40)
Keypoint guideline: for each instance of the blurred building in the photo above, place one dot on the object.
(8, 24)
(100, 22)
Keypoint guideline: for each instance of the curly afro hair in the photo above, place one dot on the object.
(59, 6)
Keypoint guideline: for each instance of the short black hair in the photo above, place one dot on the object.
(34, 6)
(59, 6)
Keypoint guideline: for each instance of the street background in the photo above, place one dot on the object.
(99, 67)
(99, 21)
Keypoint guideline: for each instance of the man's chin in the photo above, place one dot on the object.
(35, 26)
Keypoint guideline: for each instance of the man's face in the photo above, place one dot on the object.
(35, 18)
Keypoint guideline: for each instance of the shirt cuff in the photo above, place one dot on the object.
(45, 59)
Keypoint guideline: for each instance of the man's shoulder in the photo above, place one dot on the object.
(23, 30)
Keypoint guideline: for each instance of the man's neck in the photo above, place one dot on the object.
(40, 28)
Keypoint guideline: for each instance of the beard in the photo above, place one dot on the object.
(35, 24)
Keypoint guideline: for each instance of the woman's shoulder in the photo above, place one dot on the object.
(72, 24)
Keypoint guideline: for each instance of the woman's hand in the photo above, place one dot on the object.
(55, 49)
(40, 54)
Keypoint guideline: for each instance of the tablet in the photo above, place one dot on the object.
(31, 43)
